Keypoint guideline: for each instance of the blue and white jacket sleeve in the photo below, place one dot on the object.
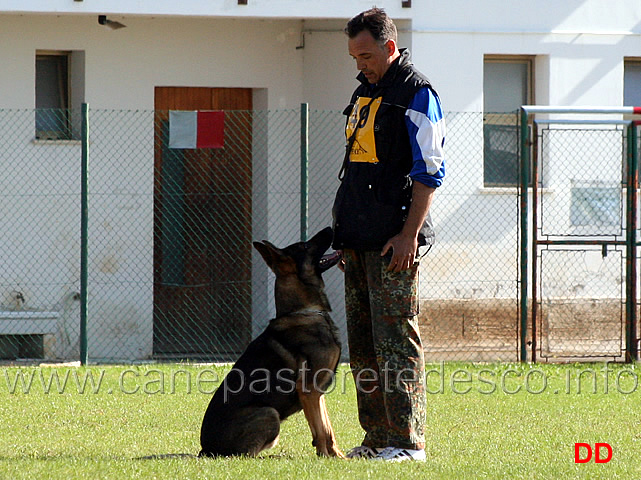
(426, 127)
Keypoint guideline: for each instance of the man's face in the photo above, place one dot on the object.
(371, 58)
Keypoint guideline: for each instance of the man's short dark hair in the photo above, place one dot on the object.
(376, 22)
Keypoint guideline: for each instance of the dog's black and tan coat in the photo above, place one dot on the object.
(288, 367)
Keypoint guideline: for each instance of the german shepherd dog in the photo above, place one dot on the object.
(288, 367)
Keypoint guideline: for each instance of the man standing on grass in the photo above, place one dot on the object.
(392, 167)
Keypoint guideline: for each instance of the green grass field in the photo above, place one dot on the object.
(484, 421)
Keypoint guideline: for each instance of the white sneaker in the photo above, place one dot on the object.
(393, 454)
(363, 452)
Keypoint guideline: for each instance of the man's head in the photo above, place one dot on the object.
(372, 43)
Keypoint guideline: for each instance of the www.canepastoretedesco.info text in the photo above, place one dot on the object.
(437, 380)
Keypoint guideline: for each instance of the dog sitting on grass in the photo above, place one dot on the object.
(288, 367)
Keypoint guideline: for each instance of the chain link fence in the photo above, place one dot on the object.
(172, 273)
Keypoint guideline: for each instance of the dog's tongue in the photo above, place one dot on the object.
(329, 260)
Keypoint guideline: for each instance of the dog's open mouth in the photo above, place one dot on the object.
(328, 260)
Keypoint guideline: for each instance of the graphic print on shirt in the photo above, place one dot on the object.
(363, 115)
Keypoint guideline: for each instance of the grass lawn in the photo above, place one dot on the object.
(484, 421)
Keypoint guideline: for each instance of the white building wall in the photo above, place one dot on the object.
(121, 70)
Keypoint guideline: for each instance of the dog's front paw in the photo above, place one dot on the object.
(335, 452)
(328, 450)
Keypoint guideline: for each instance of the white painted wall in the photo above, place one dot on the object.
(121, 70)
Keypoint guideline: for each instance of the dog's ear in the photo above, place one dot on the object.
(274, 258)
(265, 252)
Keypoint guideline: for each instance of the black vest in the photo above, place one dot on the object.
(373, 199)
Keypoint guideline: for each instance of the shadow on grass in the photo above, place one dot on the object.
(165, 456)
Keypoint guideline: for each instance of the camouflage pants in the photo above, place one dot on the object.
(386, 353)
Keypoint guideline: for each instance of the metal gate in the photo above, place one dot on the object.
(579, 263)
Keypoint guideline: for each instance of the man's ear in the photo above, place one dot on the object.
(390, 47)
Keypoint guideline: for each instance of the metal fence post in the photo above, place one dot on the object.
(525, 178)
(84, 357)
(631, 246)
(304, 169)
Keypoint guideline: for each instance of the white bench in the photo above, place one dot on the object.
(31, 322)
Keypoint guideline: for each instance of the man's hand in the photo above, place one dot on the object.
(405, 244)
(403, 252)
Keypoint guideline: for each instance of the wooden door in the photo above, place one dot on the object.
(202, 230)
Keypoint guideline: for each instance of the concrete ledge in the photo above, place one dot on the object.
(28, 322)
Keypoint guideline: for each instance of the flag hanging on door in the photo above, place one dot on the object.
(196, 129)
